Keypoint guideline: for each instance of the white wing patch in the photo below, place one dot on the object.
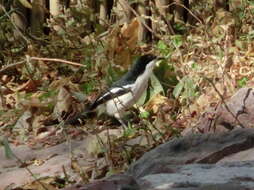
(114, 91)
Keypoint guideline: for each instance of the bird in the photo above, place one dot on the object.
(125, 92)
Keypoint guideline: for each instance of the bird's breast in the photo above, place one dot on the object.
(123, 102)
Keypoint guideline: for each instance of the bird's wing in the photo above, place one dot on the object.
(110, 94)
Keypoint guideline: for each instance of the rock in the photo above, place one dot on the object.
(189, 163)
(238, 112)
(202, 176)
(194, 162)
(116, 182)
(198, 148)
(52, 159)
(245, 155)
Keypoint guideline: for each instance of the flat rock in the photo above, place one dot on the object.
(194, 162)
(235, 112)
(198, 148)
(202, 176)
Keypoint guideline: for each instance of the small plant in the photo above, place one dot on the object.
(242, 82)
(185, 89)
(129, 131)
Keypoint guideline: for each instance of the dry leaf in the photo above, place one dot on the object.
(122, 42)
(64, 102)
(29, 86)
(23, 125)
(156, 102)
(40, 186)
(130, 33)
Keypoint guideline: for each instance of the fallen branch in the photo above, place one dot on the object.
(11, 66)
(56, 60)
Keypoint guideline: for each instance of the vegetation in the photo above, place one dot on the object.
(55, 59)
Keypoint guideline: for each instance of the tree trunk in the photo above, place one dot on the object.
(144, 12)
(19, 18)
(190, 19)
(179, 11)
(37, 18)
(221, 4)
(124, 14)
(103, 12)
(94, 6)
(54, 9)
(162, 14)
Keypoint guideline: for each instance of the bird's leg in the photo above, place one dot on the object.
(119, 118)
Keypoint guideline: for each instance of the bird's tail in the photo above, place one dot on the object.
(79, 118)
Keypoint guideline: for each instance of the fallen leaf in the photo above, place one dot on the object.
(156, 102)
(63, 102)
(29, 86)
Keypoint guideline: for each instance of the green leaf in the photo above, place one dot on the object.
(164, 48)
(142, 99)
(79, 96)
(177, 40)
(144, 114)
(88, 87)
(186, 87)
(8, 152)
(189, 88)
(251, 3)
(178, 89)
(161, 45)
(242, 82)
(129, 131)
(48, 94)
(156, 86)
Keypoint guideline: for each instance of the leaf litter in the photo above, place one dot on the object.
(174, 101)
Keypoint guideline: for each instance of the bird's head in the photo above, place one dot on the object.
(145, 62)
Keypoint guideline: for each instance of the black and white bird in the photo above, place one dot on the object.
(125, 92)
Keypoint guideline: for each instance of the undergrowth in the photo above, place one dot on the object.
(36, 91)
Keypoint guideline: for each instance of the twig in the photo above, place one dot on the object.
(140, 17)
(5, 14)
(65, 174)
(10, 66)
(57, 60)
(225, 104)
(15, 26)
(192, 14)
(166, 21)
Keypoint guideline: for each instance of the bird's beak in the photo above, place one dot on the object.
(159, 60)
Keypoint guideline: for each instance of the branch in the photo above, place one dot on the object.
(192, 14)
(56, 60)
(224, 102)
(140, 17)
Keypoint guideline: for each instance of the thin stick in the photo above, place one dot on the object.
(192, 14)
(223, 101)
(15, 26)
(140, 17)
(10, 66)
(57, 60)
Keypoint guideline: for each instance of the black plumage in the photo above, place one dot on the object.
(124, 84)
(128, 83)
(136, 70)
